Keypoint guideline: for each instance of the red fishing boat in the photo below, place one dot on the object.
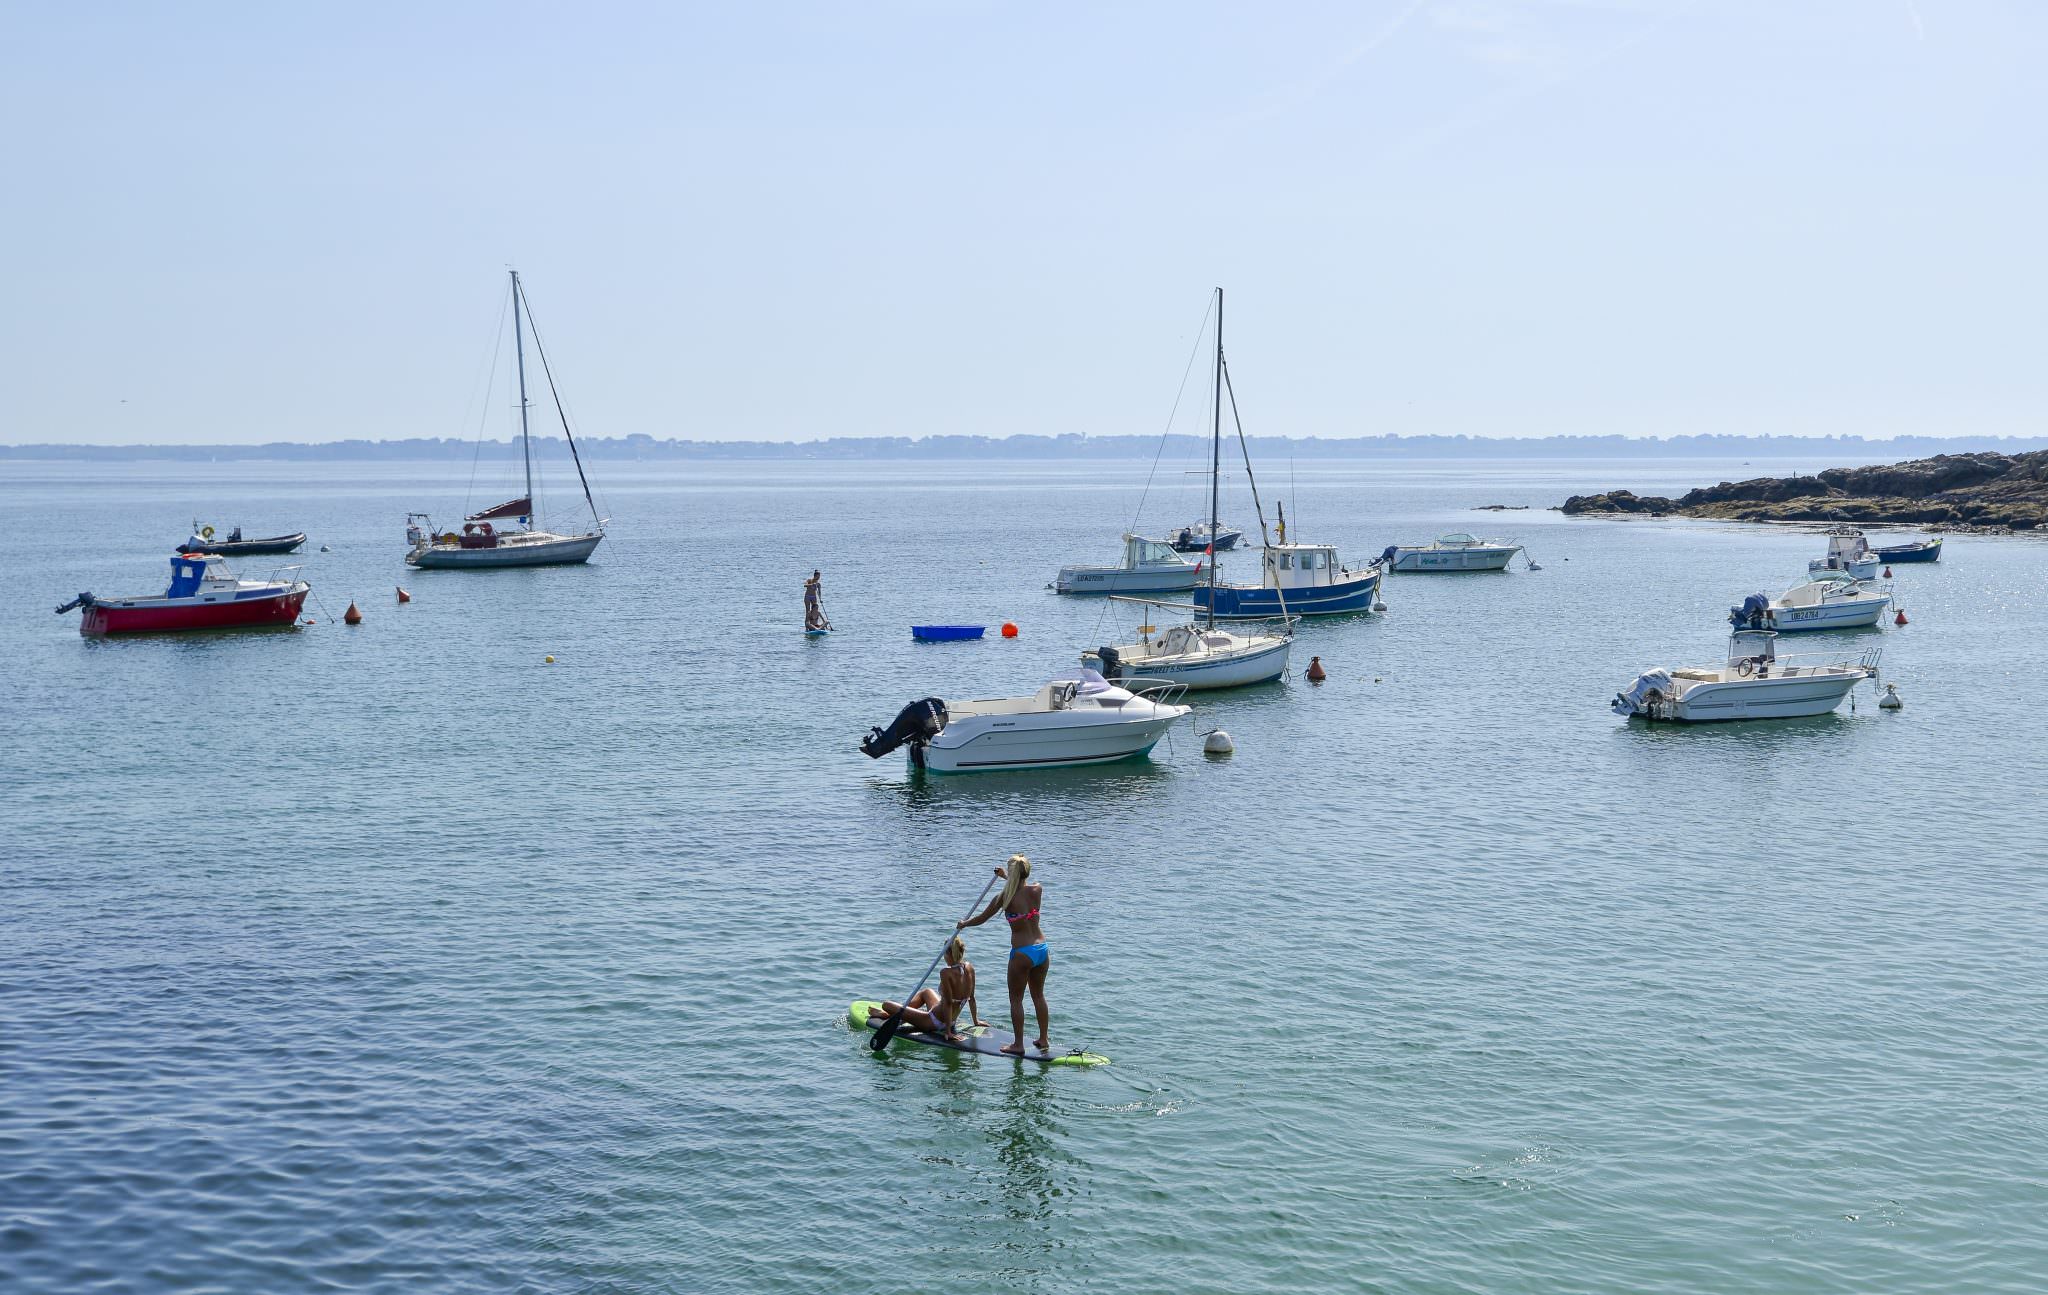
(203, 595)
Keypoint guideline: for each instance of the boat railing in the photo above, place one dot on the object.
(1160, 692)
(1785, 665)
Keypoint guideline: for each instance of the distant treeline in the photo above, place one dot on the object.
(1837, 449)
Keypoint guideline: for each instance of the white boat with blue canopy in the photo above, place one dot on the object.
(1149, 567)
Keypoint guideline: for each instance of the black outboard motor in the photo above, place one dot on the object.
(1752, 614)
(917, 724)
(1112, 664)
(1387, 555)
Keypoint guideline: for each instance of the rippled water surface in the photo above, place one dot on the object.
(395, 958)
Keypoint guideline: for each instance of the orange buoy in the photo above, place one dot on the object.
(403, 596)
(1316, 673)
(1900, 619)
(309, 621)
(1009, 629)
(351, 616)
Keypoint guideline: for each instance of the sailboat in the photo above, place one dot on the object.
(1201, 654)
(483, 541)
(1295, 579)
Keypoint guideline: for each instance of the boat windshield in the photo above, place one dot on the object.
(1458, 538)
(1145, 552)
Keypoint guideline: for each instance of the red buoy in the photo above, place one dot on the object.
(1887, 573)
(1009, 629)
(1316, 673)
(1900, 619)
(351, 616)
(403, 596)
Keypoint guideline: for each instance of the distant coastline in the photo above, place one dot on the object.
(967, 448)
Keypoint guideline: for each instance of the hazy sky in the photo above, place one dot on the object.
(1510, 217)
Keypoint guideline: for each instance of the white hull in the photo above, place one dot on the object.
(1761, 699)
(510, 551)
(985, 743)
(1859, 615)
(1453, 559)
(1120, 580)
(1216, 670)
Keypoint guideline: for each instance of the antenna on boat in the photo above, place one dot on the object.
(519, 349)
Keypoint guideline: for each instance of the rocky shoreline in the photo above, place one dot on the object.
(1947, 492)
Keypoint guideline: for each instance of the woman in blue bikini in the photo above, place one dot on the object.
(1029, 958)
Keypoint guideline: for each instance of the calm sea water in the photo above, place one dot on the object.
(394, 958)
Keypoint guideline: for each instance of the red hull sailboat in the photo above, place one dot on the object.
(203, 595)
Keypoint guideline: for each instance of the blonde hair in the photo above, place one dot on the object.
(956, 950)
(1015, 874)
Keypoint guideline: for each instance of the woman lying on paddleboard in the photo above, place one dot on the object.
(936, 1011)
(1029, 958)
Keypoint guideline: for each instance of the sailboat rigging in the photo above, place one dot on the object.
(1201, 655)
(482, 543)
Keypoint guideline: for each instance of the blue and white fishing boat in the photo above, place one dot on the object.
(1296, 580)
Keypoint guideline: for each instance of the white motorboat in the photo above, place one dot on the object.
(1078, 719)
(1832, 600)
(1196, 538)
(1194, 656)
(1755, 683)
(1848, 553)
(1149, 567)
(1455, 552)
(484, 541)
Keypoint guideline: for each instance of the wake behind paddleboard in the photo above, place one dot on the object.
(976, 1039)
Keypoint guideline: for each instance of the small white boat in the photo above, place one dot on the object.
(1755, 683)
(1455, 552)
(1149, 567)
(1077, 719)
(1848, 553)
(1832, 600)
(1195, 538)
(1194, 656)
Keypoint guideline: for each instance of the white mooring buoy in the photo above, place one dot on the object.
(1891, 699)
(1217, 742)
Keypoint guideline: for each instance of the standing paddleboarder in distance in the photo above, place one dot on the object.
(814, 603)
(1029, 958)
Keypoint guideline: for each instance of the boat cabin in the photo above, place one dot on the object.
(1140, 552)
(191, 570)
(1302, 566)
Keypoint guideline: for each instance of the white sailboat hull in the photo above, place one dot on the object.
(1215, 670)
(541, 550)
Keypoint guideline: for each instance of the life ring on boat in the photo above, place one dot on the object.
(206, 532)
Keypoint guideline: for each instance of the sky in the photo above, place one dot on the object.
(253, 222)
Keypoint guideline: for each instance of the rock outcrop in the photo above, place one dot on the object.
(2007, 491)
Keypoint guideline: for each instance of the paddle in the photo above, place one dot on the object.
(895, 1021)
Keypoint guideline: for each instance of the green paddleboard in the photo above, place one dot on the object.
(867, 1014)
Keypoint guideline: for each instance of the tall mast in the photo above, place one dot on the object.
(519, 349)
(1215, 457)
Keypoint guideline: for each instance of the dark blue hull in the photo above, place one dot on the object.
(1250, 602)
(1929, 552)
